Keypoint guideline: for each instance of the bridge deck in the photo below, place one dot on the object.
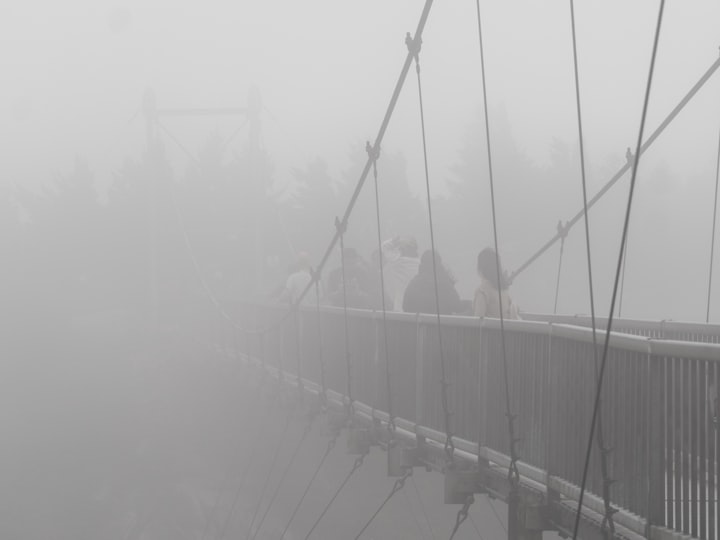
(658, 407)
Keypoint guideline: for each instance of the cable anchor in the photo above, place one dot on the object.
(562, 230)
(414, 45)
(462, 515)
(372, 151)
(341, 226)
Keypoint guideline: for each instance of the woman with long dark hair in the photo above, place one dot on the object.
(486, 302)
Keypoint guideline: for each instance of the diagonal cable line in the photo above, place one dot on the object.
(358, 187)
(358, 463)
(411, 510)
(278, 446)
(228, 473)
(475, 526)
(495, 513)
(241, 483)
(513, 473)
(606, 346)
(397, 486)
(422, 504)
(374, 153)
(626, 166)
(304, 435)
(414, 45)
(462, 515)
(588, 252)
(330, 446)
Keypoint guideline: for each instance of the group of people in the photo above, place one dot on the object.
(410, 283)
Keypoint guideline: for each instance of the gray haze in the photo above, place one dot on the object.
(98, 414)
(74, 73)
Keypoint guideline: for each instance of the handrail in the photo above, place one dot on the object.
(665, 325)
(647, 423)
(468, 450)
(618, 340)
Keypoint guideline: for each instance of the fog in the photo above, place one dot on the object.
(75, 73)
(87, 267)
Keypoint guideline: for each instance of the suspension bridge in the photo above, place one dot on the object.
(593, 427)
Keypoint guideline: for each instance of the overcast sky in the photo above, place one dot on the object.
(74, 73)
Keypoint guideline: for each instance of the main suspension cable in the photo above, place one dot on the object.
(609, 511)
(374, 154)
(636, 161)
(358, 187)
(626, 166)
(414, 45)
(712, 241)
(356, 465)
(376, 144)
(513, 473)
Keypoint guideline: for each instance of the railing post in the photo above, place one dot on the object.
(656, 451)
(552, 413)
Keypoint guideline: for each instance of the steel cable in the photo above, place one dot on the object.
(341, 228)
(607, 519)
(226, 481)
(462, 515)
(289, 465)
(331, 444)
(356, 465)
(278, 446)
(414, 45)
(422, 504)
(626, 167)
(241, 484)
(374, 154)
(606, 346)
(513, 473)
(397, 486)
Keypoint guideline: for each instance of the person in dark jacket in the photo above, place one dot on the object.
(420, 293)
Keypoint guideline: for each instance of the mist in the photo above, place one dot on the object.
(119, 236)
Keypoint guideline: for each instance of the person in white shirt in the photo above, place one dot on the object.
(400, 265)
(298, 281)
(487, 299)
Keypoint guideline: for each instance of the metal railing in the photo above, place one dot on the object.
(664, 329)
(659, 402)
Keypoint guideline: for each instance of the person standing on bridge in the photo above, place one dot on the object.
(400, 264)
(486, 302)
(420, 292)
(298, 281)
